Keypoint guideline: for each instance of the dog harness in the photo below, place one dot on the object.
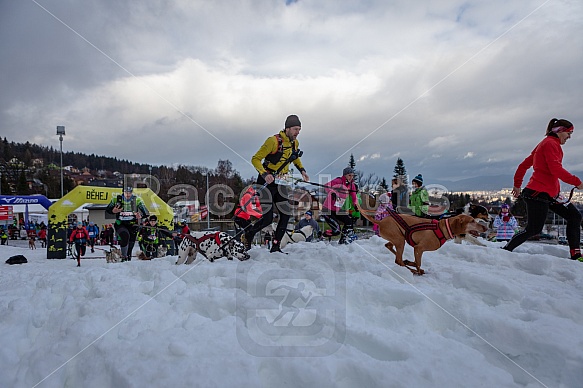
(198, 241)
(409, 230)
(291, 232)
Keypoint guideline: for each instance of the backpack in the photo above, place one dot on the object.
(18, 259)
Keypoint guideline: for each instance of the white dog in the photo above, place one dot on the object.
(294, 236)
(211, 245)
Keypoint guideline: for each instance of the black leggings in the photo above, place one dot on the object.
(334, 219)
(127, 238)
(537, 207)
(278, 199)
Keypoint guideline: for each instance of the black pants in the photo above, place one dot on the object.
(127, 238)
(334, 219)
(537, 207)
(242, 223)
(278, 198)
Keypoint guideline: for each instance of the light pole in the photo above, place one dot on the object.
(61, 133)
(150, 167)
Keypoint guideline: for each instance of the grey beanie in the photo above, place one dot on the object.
(292, 121)
(348, 170)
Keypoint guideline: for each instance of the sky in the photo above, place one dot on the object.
(457, 89)
(479, 317)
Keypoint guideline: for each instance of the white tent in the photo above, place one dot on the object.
(37, 213)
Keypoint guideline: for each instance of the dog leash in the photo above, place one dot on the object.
(551, 200)
(328, 187)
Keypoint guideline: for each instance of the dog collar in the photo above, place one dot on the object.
(448, 228)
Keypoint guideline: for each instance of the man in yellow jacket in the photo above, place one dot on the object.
(272, 162)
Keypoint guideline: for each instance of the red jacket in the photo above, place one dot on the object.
(252, 206)
(79, 235)
(547, 162)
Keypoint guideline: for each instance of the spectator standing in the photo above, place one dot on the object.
(385, 203)
(309, 220)
(3, 237)
(505, 223)
(419, 200)
(400, 195)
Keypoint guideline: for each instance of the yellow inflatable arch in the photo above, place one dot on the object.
(59, 211)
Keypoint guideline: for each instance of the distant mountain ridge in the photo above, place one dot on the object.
(488, 182)
(479, 183)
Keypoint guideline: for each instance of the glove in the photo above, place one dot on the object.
(506, 218)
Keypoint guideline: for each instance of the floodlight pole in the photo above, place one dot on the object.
(61, 132)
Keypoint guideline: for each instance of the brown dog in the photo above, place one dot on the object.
(31, 243)
(422, 234)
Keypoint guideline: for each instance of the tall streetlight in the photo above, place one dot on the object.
(61, 133)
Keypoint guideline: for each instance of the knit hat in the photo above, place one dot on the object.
(292, 121)
(418, 179)
(128, 189)
(347, 170)
(309, 213)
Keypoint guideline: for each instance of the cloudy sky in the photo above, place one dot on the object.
(455, 88)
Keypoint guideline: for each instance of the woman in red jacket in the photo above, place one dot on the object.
(79, 236)
(542, 191)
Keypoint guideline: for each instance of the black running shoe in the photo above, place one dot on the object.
(275, 247)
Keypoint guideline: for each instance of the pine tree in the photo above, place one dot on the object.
(400, 171)
(351, 162)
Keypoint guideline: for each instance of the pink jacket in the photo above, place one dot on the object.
(341, 194)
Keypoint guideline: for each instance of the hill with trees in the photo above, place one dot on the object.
(27, 169)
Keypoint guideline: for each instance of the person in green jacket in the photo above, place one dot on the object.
(419, 200)
(129, 210)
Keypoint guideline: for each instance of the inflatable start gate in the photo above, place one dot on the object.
(59, 211)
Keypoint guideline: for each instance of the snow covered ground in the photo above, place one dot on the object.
(323, 315)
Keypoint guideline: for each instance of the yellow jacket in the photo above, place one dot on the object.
(270, 147)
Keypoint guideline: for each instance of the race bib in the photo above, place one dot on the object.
(339, 202)
(283, 180)
(126, 216)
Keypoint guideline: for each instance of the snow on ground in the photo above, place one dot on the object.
(323, 315)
